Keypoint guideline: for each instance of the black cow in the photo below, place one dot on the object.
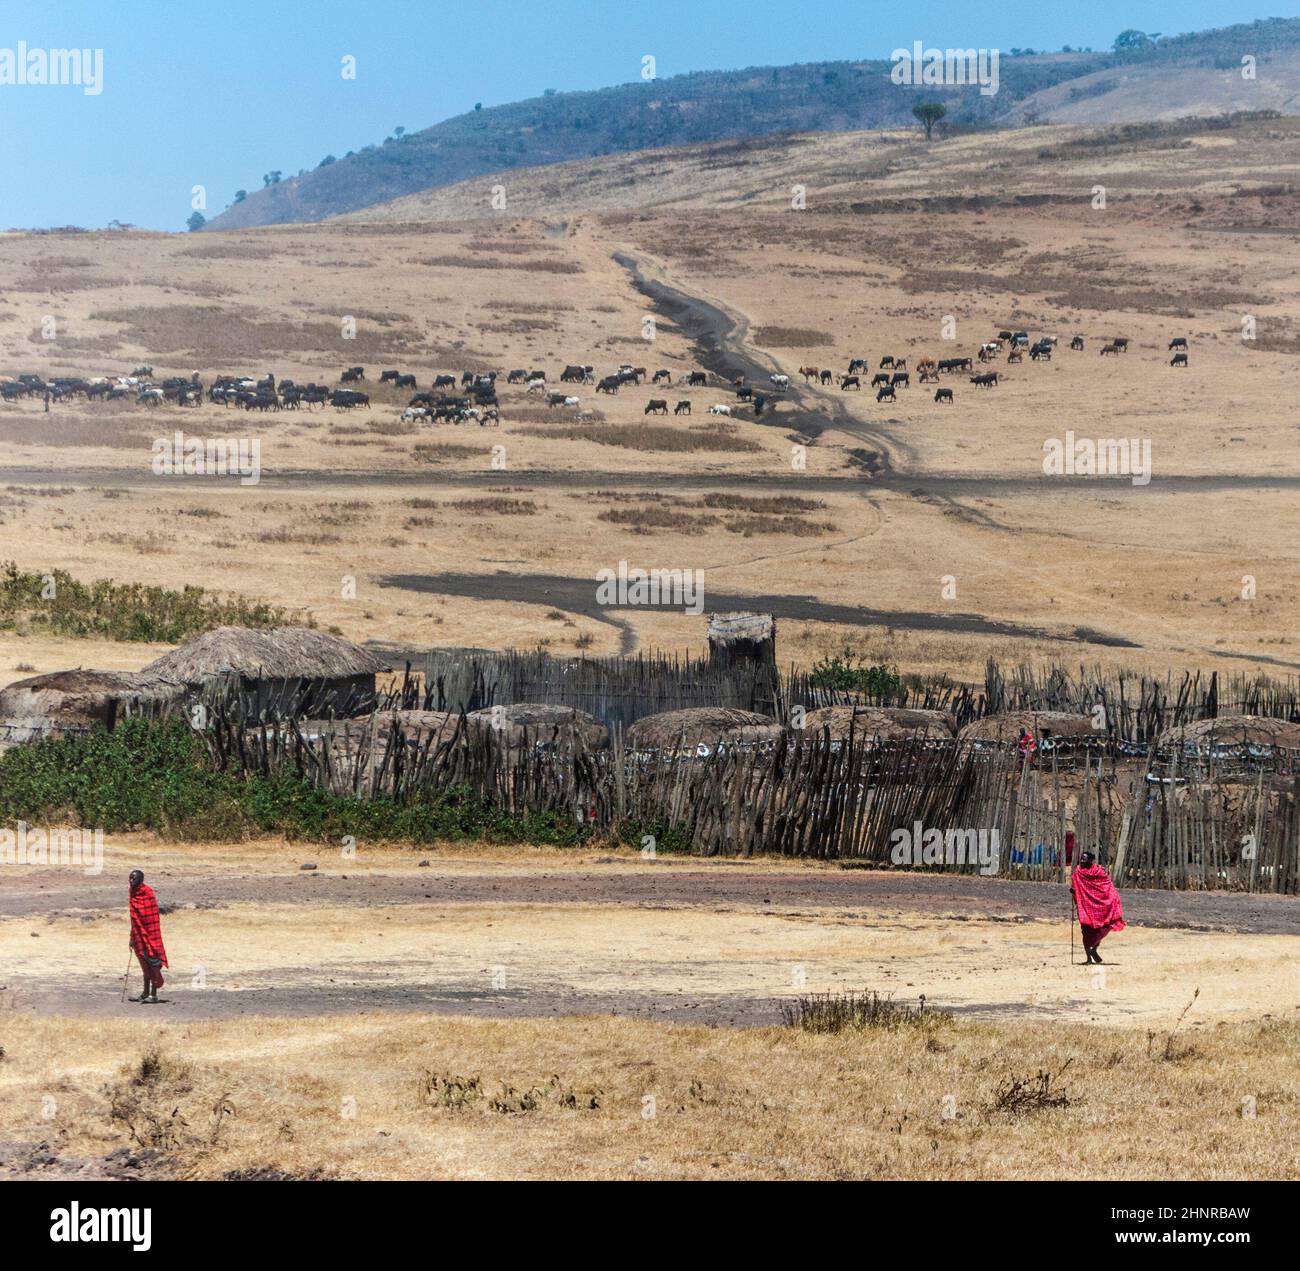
(663, 377)
(445, 381)
(1178, 359)
(656, 406)
(404, 381)
(682, 408)
(879, 379)
(555, 399)
(850, 381)
(610, 384)
(389, 375)
(943, 395)
(1077, 344)
(901, 380)
(857, 364)
(696, 378)
(886, 393)
(985, 381)
(353, 374)
(1178, 342)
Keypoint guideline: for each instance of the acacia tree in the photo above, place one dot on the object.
(929, 113)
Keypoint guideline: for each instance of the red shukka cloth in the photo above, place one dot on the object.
(1096, 898)
(146, 930)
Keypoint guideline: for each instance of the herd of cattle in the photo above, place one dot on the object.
(471, 396)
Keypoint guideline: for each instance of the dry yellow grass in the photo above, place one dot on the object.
(349, 1097)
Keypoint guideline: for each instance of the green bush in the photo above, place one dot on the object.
(147, 775)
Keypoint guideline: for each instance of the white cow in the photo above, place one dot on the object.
(573, 401)
(720, 409)
(781, 381)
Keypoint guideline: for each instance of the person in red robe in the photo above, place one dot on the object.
(1097, 903)
(146, 937)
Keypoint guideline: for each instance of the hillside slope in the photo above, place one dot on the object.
(814, 97)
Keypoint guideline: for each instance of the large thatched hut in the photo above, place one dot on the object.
(65, 702)
(1234, 730)
(885, 722)
(742, 638)
(700, 726)
(526, 723)
(281, 671)
(1005, 727)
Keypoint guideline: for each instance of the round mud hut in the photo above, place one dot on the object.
(701, 726)
(67, 702)
(1041, 725)
(526, 723)
(1225, 731)
(280, 672)
(888, 723)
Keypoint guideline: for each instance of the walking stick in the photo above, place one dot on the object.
(126, 974)
(1074, 913)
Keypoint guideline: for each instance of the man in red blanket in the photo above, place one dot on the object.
(1097, 903)
(146, 937)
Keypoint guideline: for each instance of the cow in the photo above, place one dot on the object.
(413, 413)
(696, 378)
(1178, 359)
(1004, 335)
(445, 381)
(142, 373)
(901, 379)
(353, 374)
(857, 364)
(555, 399)
(404, 381)
(518, 377)
(1121, 343)
(744, 393)
(886, 361)
(990, 380)
(781, 381)
(575, 402)
(1109, 348)
(1041, 350)
(1077, 344)
(1178, 342)
(348, 399)
(682, 408)
(880, 378)
(827, 377)
(850, 381)
(385, 376)
(809, 373)
(610, 384)
(886, 393)
(943, 395)
(720, 408)
(1017, 354)
(656, 406)
(663, 377)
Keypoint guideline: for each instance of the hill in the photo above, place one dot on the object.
(715, 106)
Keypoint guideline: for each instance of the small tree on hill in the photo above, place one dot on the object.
(929, 113)
(197, 221)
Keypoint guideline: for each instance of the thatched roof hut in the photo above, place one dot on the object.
(525, 723)
(887, 722)
(1234, 730)
(64, 702)
(701, 725)
(281, 670)
(742, 637)
(1006, 727)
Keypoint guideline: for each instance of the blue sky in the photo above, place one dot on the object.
(218, 95)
